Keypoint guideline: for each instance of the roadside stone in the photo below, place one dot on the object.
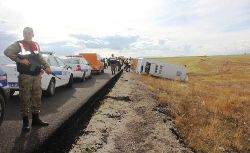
(117, 116)
(98, 145)
(165, 109)
(87, 132)
(120, 98)
(222, 149)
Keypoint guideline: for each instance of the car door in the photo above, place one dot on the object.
(65, 70)
(57, 70)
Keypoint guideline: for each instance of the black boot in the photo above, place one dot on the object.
(26, 127)
(36, 121)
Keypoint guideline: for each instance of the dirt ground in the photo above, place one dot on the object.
(130, 120)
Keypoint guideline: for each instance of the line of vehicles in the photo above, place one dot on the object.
(65, 71)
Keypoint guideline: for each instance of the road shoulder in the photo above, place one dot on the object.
(129, 120)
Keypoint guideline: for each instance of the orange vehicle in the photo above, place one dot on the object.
(94, 61)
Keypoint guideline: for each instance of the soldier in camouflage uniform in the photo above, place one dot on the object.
(29, 78)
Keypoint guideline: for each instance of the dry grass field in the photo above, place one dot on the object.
(214, 106)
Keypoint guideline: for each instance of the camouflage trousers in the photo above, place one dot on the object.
(30, 93)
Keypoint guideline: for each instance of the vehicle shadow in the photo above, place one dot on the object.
(49, 104)
(86, 84)
(104, 76)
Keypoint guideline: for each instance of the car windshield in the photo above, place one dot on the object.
(72, 61)
(45, 56)
(84, 61)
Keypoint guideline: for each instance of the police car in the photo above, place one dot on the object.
(4, 93)
(62, 75)
(80, 67)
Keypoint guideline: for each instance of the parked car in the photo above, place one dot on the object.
(80, 67)
(62, 75)
(4, 93)
(95, 62)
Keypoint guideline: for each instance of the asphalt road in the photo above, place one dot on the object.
(55, 110)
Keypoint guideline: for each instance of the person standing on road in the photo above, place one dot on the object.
(112, 60)
(129, 64)
(106, 63)
(119, 64)
(126, 65)
(26, 53)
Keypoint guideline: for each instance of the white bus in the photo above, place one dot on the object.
(161, 69)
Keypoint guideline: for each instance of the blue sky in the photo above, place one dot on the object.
(130, 27)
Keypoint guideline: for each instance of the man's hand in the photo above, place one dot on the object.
(48, 70)
(25, 62)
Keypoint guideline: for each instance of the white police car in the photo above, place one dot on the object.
(80, 67)
(62, 75)
(4, 93)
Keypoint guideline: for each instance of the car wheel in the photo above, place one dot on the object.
(70, 83)
(2, 108)
(83, 77)
(51, 88)
(12, 92)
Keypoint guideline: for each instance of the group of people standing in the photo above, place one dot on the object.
(116, 63)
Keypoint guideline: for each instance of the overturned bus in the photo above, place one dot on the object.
(161, 69)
